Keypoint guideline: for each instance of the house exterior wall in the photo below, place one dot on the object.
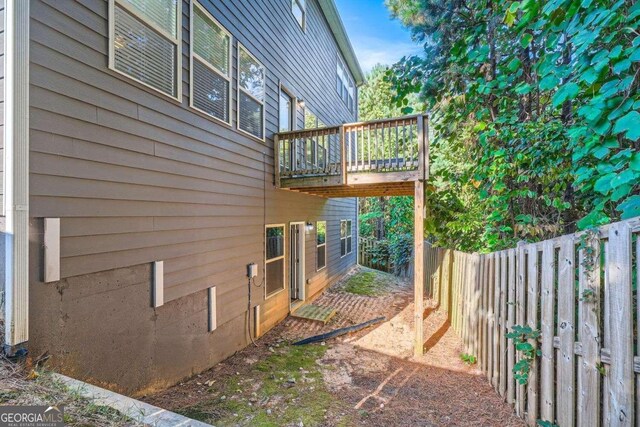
(137, 177)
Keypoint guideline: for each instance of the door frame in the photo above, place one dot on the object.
(293, 304)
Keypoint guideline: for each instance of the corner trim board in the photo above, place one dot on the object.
(16, 172)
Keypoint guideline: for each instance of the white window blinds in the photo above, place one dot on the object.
(210, 65)
(251, 87)
(145, 42)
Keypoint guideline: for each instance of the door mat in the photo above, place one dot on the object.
(314, 312)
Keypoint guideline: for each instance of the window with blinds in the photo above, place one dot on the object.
(321, 245)
(210, 65)
(274, 259)
(145, 42)
(251, 92)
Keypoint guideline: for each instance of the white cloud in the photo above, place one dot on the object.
(372, 51)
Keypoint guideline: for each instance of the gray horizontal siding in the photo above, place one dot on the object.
(138, 177)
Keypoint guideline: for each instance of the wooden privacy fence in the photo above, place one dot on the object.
(369, 254)
(580, 292)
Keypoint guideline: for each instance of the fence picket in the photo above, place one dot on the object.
(496, 321)
(589, 307)
(521, 315)
(503, 324)
(547, 329)
(566, 333)
(511, 318)
(621, 296)
(532, 322)
(586, 373)
(488, 291)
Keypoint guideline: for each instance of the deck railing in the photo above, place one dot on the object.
(389, 145)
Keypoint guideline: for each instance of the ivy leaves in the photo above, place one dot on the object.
(539, 101)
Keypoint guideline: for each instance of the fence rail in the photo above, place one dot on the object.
(580, 292)
(390, 145)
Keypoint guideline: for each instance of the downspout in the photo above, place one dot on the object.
(16, 175)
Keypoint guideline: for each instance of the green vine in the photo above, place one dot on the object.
(521, 336)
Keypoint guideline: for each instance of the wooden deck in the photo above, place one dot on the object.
(366, 159)
(379, 158)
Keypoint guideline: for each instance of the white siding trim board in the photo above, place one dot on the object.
(16, 173)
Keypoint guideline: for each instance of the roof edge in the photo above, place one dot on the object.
(340, 33)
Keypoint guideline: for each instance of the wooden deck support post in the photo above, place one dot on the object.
(418, 271)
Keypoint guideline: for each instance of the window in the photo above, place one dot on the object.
(251, 87)
(316, 151)
(286, 112)
(144, 43)
(274, 259)
(299, 9)
(344, 85)
(321, 244)
(210, 65)
(346, 242)
(310, 119)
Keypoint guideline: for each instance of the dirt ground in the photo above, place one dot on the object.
(366, 378)
(25, 383)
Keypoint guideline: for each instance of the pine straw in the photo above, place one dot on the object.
(22, 385)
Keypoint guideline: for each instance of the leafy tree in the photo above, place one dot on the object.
(535, 115)
(389, 219)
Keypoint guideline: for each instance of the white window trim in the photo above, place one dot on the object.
(294, 107)
(193, 54)
(283, 257)
(264, 112)
(324, 244)
(177, 40)
(303, 25)
(347, 72)
(349, 230)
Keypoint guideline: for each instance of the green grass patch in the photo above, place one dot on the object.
(284, 388)
(368, 283)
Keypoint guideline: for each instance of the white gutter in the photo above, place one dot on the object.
(16, 173)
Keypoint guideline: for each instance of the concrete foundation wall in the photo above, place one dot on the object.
(100, 328)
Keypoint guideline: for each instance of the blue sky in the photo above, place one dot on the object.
(375, 37)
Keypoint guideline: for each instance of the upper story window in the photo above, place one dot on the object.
(285, 116)
(145, 42)
(210, 65)
(310, 119)
(251, 93)
(299, 9)
(345, 85)
(346, 239)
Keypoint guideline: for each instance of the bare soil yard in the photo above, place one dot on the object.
(367, 378)
(22, 383)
